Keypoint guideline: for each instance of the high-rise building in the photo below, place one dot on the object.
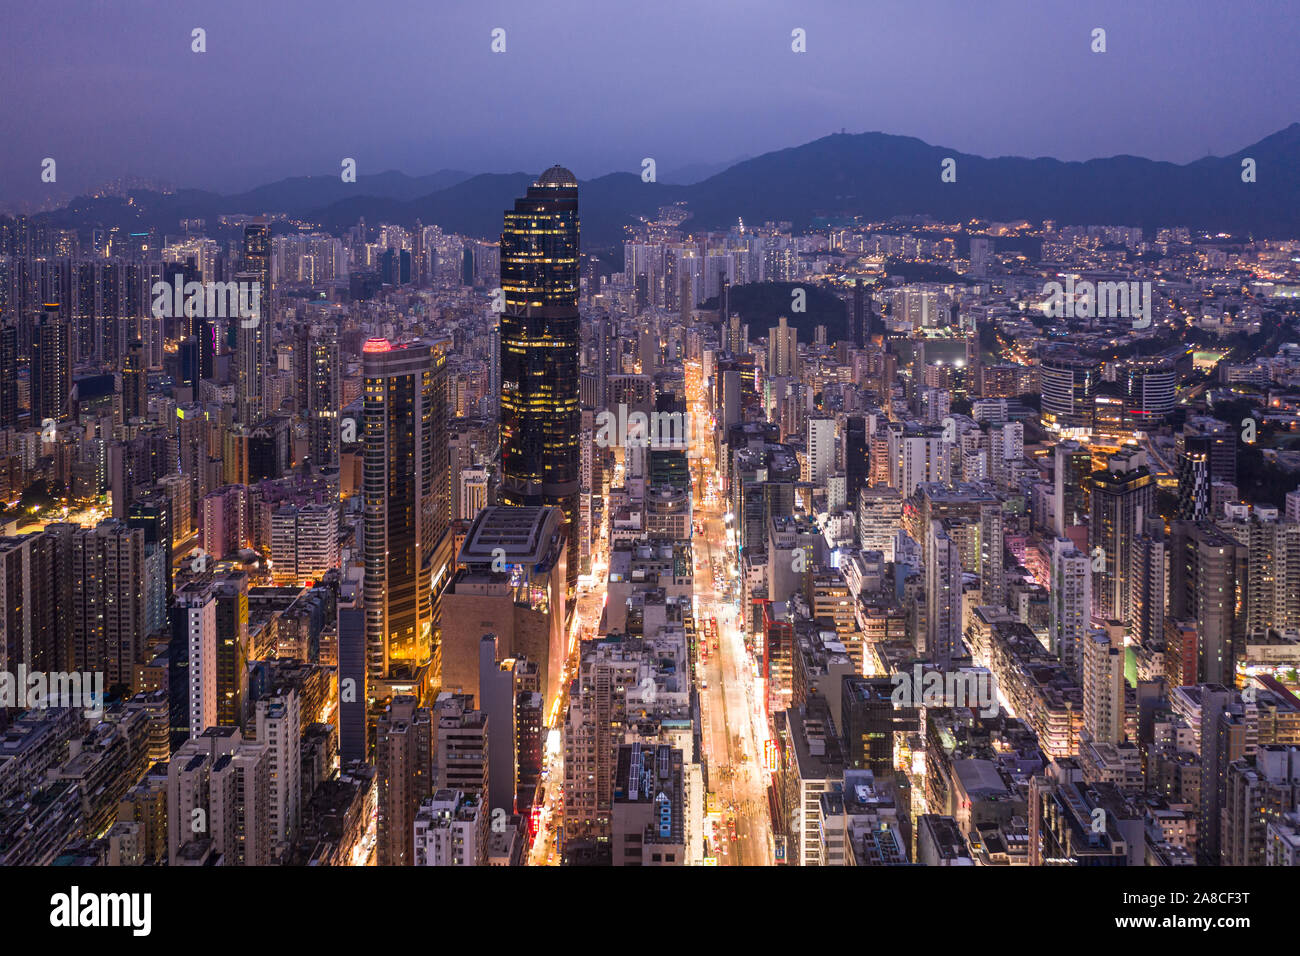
(1149, 584)
(992, 555)
(31, 628)
(323, 397)
(8, 375)
(105, 616)
(647, 819)
(1222, 445)
(1069, 388)
(257, 259)
(451, 829)
(594, 727)
(404, 767)
(1149, 393)
(821, 449)
(253, 363)
(857, 458)
(1272, 595)
(1103, 687)
(219, 801)
(232, 646)
(916, 454)
(1071, 600)
(407, 503)
(496, 697)
(279, 729)
(540, 408)
(134, 381)
(194, 629)
(1259, 791)
(1121, 497)
(304, 542)
(472, 493)
(880, 517)
(870, 718)
(782, 349)
(1208, 573)
(981, 254)
(461, 755)
(1072, 467)
(1194, 478)
(943, 604)
(353, 735)
(511, 582)
(51, 364)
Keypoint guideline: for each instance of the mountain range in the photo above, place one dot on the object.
(874, 175)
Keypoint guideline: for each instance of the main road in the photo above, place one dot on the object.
(734, 730)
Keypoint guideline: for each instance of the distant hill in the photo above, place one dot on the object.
(874, 175)
(878, 175)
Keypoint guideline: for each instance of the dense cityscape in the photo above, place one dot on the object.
(845, 539)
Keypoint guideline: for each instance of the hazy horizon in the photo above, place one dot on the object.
(690, 86)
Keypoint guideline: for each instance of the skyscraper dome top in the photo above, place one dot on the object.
(557, 176)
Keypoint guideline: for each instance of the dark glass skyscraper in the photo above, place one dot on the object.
(8, 375)
(407, 507)
(51, 364)
(253, 337)
(540, 409)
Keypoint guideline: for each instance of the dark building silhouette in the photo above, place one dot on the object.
(52, 367)
(8, 376)
(857, 462)
(540, 406)
(134, 382)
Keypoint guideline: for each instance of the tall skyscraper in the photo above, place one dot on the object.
(323, 398)
(943, 596)
(1149, 583)
(279, 727)
(1071, 603)
(8, 375)
(104, 613)
(1072, 466)
(857, 457)
(194, 631)
(540, 405)
(782, 349)
(821, 449)
(1121, 498)
(1194, 478)
(52, 367)
(253, 336)
(981, 252)
(1103, 687)
(1208, 573)
(134, 383)
(257, 257)
(252, 355)
(407, 504)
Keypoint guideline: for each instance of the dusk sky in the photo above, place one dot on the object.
(111, 87)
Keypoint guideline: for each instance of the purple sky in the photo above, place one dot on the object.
(110, 87)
